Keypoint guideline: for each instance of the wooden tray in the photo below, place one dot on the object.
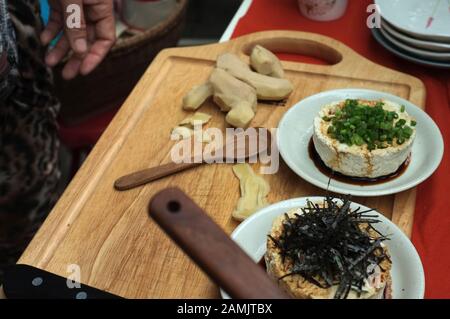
(108, 233)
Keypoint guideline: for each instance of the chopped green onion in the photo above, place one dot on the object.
(356, 123)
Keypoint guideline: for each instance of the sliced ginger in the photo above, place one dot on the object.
(186, 127)
(267, 88)
(183, 132)
(265, 62)
(197, 96)
(198, 118)
(254, 190)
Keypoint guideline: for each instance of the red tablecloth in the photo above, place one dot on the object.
(431, 232)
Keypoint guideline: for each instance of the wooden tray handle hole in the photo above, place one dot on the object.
(298, 50)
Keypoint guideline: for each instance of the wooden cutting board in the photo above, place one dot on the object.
(108, 233)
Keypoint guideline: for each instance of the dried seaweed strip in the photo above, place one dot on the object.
(327, 245)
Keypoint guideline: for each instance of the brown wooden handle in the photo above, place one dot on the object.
(210, 247)
(150, 174)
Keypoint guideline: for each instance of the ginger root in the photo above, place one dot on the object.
(267, 88)
(240, 115)
(236, 88)
(254, 190)
(235, 97)
(265, 62)
(197, 96)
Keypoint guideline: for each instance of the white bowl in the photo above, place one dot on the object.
(296, 129)
(406, 55)
(435, 56)
(408, 278)
(413, 17)
(427, 45)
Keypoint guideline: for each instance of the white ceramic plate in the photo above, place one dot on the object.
(296, 129)
(407, 272)
(406, 55)
(421, 44)
(436, 56)
(426, 19)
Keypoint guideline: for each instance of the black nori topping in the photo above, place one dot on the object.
(330, 244)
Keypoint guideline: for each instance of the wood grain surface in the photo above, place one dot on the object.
(207, 244)
(108, 233)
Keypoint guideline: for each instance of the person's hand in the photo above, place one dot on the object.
(89, 44)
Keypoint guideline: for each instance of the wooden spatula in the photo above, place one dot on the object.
(210, 247)
(240, 144)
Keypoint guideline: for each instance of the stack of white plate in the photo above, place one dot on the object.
(417, 30)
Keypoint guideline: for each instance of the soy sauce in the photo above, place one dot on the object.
(361, 181)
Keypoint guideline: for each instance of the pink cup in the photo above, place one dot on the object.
(322, 10)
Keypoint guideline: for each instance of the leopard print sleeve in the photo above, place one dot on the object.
(29, 144)
(8, 52)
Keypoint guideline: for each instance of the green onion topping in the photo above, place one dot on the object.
(361, 124)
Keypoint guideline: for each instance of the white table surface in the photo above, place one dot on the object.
(239, 14)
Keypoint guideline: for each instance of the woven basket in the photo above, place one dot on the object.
(112, 81)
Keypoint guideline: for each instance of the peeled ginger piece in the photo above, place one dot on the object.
(197, 96)
(254, 190)
(267, 87)
(265, 62)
